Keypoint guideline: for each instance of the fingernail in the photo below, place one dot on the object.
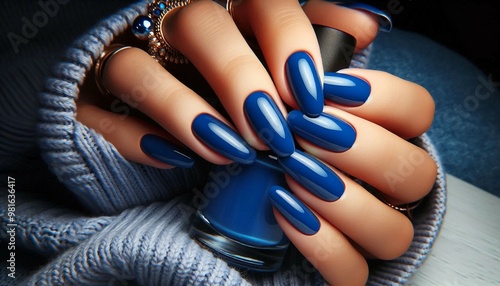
(326, 131)
(267, 120)
(313, 175)
(295, 212)
(337, 47)
(166, 152)
(384, 20)
(305, 83)
(346, 89)
(221, 138)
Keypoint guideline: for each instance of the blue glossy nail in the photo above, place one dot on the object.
(221, 138)
(166, 152)
(267, 120)
(383, 18)
(326, 130)
(346, 89)
(313, 175)
(298, 214)
(305, 84)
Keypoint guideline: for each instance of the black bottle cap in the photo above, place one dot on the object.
(337, 47)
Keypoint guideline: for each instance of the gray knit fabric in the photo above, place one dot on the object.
(136, 231)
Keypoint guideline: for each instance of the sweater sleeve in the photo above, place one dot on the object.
(88, 165)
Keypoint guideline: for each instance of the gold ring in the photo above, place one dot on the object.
(405, 208)
(149, 28)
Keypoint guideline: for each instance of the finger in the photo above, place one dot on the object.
(328, 250)
(135, 139)
(399, 169)
(387, 234)
(136, 78)
(363, 26)
(206, 34)
(378, 229)
(403, 107)
(289, 45)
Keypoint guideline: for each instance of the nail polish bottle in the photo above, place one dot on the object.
(234, 216)
(337, 47)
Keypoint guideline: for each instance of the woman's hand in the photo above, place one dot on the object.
(347, 223)
(361, 131)
(217, 46)
(206, 34)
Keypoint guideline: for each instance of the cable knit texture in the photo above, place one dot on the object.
(137, 230)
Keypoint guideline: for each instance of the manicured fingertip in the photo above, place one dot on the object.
(160, 149)
(313, 175)
(326, 131)
(384, 19)
(305, 83)
(221, 138)
(346, 89)
(295, 212)
(269, 124)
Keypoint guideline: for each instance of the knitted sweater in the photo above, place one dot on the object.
(87, 216)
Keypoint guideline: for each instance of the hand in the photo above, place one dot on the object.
(216, 45)
(209, 37)
(362, 133)
(337, 235)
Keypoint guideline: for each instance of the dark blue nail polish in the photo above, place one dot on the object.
(305, 84)
(313, 175)
(221, 138)
(270, 125)
(326, 130)
(166, 152)
(298, 214)
(235, 218)
(383, 18)
(346, 89)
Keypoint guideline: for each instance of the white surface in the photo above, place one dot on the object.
(467, 250)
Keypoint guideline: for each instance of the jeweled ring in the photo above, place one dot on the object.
(150, 28)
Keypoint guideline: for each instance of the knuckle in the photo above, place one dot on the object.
(203, 16)
(171, 95)
(289, 20)
(238, 63)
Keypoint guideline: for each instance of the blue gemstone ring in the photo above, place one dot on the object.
(149, 28)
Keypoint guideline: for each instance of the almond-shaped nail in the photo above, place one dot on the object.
(327, 131)
(221, 138)
(313, 175)
(162, 150)
(268, 122)
(295, 211)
